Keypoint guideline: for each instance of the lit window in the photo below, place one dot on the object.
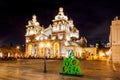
(41, 45)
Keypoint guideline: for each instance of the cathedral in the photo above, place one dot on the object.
(55, 40)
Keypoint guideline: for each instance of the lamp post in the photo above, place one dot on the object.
(45, 61)
(45, 46)
(17, 54)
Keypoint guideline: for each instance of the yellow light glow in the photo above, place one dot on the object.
(46, 38)
(27, 41)
(41, 45)
(101, 54)
(48, 45)
(37, 38)
(18, 47)
(108, 52)
(53, 38)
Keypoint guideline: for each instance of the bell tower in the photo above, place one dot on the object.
(33, 29)
(63, 28)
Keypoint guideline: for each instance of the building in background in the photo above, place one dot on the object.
(115, 39)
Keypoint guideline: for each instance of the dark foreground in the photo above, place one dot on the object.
(32, 69)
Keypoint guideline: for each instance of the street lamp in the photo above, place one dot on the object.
(17, 53)
(45, 46)
(17, 47)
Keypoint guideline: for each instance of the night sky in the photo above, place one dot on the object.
(92, 18)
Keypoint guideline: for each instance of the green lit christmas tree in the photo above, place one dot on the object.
(71, 65)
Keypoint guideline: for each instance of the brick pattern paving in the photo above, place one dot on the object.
(33, 70)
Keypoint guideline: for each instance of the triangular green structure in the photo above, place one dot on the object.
(71, 65)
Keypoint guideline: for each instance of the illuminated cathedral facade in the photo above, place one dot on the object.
(53, 41)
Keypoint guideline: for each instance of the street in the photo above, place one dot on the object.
(33, 69)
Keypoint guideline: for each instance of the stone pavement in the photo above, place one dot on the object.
(33, 70)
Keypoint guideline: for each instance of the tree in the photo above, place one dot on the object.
(5, 49)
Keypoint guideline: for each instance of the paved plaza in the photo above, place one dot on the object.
(32, 69)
